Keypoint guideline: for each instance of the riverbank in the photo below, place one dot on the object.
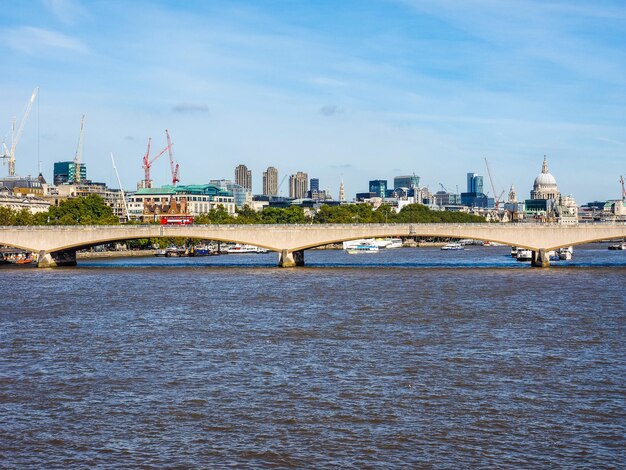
(114, 254)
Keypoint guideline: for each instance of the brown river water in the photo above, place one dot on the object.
(412, 358)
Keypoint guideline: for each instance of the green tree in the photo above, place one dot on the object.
(90, 210)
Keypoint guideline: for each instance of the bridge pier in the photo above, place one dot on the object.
(540, 259)
(290, 259)
(56, 259)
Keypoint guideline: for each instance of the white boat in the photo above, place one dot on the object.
(618, 246)
(245, 249)
(359, 249)
(453, 246)
(524, 255)
(565, 253)
(394, 243)
(514, 251)
(362, 241)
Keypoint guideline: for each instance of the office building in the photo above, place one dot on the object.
(270, 182)
(243, 177)
(298, 185)
(379, 187)
(65, 172)
(406, 182)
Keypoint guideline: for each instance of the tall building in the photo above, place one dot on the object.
(298, 185)
(65, 172)
(342, 192)
(474, 183)
(474, 197)
(315, 185)
(243, 177)
(406, 181)
(379, 187)
(270, 182)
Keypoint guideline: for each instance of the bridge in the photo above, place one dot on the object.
(57, 245)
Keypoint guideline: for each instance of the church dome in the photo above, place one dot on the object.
(545, 179)
(545, 186)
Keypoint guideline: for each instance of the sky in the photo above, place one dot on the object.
(358, 90)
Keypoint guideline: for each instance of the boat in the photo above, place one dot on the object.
(524, 255)
(381, 242)
(514, 251)
(245, 249)
(175, 251)
(618, 246)
(453, 246)
(394, 243)
(565, 253)
(361, 241)
(364, 248)
(204, 250)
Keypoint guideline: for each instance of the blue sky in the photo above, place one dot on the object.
(359, 89)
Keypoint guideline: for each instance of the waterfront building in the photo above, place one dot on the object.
(148, 204)
(19, 202)
(243, 177)
(270, 182)
(379, 187)
(65, 172)
(298, 185)
(241, 195)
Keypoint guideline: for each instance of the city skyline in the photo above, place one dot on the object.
(332, 89)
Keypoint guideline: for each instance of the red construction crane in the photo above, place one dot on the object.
(174, 167)
(147, 163)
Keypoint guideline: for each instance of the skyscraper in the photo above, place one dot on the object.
(474, 183)
(315, 188)
(342, 192)
(243, 177)
(270, 182)
(298, 185)
(379, 187)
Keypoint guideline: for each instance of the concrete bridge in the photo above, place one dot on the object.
(57, 245)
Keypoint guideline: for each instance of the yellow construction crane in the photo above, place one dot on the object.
(9, 154)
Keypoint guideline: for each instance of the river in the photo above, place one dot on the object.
(408, 358)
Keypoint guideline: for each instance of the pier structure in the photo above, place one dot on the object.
(57, 245)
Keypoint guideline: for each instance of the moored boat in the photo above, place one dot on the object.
(618, 246)
(245, 249)
(565, 253)
(453, 246)
(363, 248)
(524, 255)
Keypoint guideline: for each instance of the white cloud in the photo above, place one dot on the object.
(36, 41)
(66, 11)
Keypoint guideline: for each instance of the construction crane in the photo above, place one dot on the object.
(79, 152)
(126, 212)
(443, 187)
(281, 183)
(147, 163)
(173, 167)
(493, 187)
(9, 154)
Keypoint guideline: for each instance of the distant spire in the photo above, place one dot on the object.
(544, 168)
(512, 194)
(342, 194)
